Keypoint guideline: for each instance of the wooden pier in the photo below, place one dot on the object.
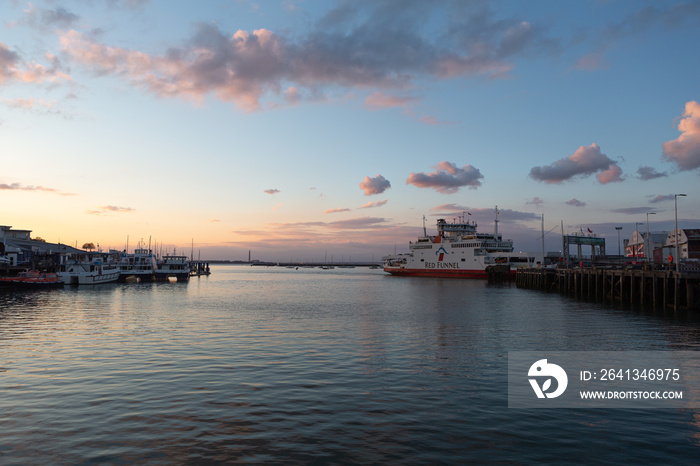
(499, 274)
(655, 288)
(198, 268)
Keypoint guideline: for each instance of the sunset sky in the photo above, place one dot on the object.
(308, 129)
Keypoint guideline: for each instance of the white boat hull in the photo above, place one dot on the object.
(76, 275)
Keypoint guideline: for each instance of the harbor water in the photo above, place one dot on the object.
(345, 366)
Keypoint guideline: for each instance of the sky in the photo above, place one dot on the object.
(310, 130)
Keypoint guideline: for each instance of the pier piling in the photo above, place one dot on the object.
(656, 288)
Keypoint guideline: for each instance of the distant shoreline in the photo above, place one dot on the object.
(291, 264)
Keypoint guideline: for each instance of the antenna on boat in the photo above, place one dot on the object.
(495, 225)
(425, 232)
(542, 240)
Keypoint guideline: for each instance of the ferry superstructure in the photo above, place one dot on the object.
(458, 251)
(173, 266)
(91, 268)
(141, 265)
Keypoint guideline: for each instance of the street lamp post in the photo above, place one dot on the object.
(646, 240)
(618, 239)
(675, 201)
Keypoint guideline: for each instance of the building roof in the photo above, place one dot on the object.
(655, 236)
(41, 247)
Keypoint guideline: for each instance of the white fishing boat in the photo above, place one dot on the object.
(172, 266)
(91, 268)
(458, 251)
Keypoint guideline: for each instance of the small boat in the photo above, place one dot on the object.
(32, 280)
(172, 266)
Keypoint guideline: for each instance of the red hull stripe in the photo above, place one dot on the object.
(478, 274)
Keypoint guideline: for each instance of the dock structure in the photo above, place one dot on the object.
(499, 274)
(198, 268)
(655, 288)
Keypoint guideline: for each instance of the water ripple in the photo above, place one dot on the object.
(256, 365)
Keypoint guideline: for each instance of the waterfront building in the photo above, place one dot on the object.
(20, 249)
(688, 244)
(635, 246)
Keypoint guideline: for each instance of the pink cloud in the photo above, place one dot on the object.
(372, 46)
(33, 105)
(649, 173)
(376, 185)
(272, 191)
(662, 198)
(447, 178)
(685, 150)
(109, 208)
(357, 223)
(371, 204)
(292, 95)
(611, 175)
(591, 62)
(12, 68)
(433, 121)
(335, 211)
(451, 67)
(239, 71)
(114, 208)
(450, 208)
(45, 19)
(21, 187)
(379, 100)
(585, 161)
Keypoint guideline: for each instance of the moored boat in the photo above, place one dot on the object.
(91, 268)
(458, 251)
(172, 266)
(32, 280)
(139, 266)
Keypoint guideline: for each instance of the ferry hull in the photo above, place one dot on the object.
(142, 277)
(87, 278)
(446, 273)
(179, 276)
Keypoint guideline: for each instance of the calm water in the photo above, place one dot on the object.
(274, 365)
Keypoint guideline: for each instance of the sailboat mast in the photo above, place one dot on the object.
(543, 240)
(495, 226)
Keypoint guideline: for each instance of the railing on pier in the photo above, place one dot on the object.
(657, 288)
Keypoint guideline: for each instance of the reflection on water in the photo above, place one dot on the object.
(275, 365)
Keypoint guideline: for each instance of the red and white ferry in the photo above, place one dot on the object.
(458, 251)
